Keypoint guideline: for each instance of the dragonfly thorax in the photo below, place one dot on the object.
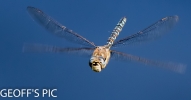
(99, 58)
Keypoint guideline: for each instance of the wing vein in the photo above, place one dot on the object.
(54, 27)
(177, 67)
(152, 32)
(40, 48)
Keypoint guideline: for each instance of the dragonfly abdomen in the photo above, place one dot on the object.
(116, 32)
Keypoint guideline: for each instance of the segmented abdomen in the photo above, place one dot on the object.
(115, 32)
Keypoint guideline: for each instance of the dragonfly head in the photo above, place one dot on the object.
(97, 63)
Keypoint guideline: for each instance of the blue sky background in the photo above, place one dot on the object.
(95, 20)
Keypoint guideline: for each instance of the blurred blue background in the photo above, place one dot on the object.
(71, 75)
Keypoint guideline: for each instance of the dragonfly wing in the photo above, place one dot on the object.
(47, 48)
(53, 26)
(180, 68)
(152, 32)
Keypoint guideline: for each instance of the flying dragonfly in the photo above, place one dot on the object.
(100, 55)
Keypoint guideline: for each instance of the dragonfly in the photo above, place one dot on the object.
(100, 55)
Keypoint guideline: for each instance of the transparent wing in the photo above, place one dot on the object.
(47, 48)
(53, 26)
(180, 68)
(152, 32)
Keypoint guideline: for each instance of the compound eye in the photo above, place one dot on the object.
(92, 58)
(101, 59)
